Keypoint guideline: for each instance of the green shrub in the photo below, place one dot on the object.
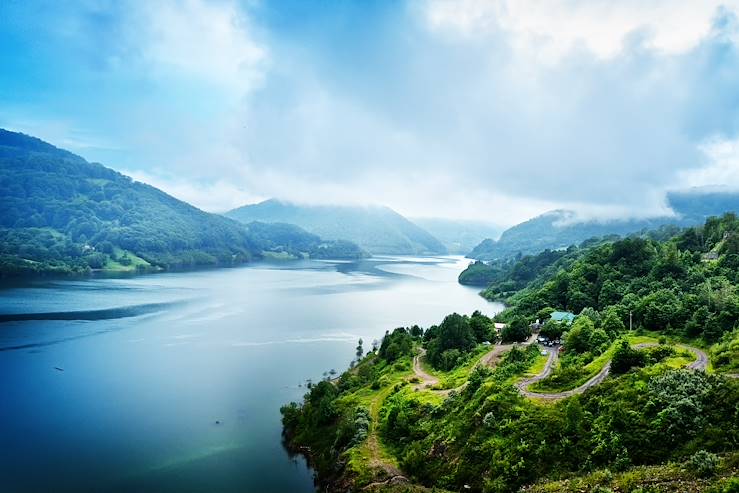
(703, 464)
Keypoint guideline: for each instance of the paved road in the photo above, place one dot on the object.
(492, 357)
(700, 363)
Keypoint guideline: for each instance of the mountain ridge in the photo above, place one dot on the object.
(62, 214)
(377, 229)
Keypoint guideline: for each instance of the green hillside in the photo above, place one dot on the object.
(62, 214)
(379, 230)
(558, 230)
(649, 409)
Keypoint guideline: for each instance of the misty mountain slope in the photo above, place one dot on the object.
(697, 204)
(60, 213)
(379, 230)
(554, 230)
(458, 236)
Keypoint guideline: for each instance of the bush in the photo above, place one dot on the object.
(361, 425)
(703, 464)
(729, 486)
(625, 358)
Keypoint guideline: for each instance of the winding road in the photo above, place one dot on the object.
(700, 363)
(492, 357)
(427, 380)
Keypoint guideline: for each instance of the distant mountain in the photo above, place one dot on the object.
(558, 229)
(379, 230)
(458, 236)
(555, 230)
(696, 204)
(62, 214)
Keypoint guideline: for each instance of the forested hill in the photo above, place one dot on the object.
(636, 390)
(62, 214)
(686, 285)
(379, 230)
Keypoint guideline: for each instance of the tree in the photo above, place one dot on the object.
(517, 330)
(612, 324)
(625, 358)
(450, 340)
(553, 329)
(592, 314)
(610, 294)
(395, 345)
(578, 338)
(481, 326)
(599, 341)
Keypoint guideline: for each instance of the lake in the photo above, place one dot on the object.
(173, 382)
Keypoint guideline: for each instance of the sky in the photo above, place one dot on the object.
(486, 110)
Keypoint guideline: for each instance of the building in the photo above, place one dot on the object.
(710, 256)
(567, 317)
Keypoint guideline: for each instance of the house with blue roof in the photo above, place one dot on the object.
(567, 317)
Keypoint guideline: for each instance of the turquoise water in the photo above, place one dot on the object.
(173, 382)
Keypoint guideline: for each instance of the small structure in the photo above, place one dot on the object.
(536, 326)
(710, 256)
(567, 317)
(499, 326)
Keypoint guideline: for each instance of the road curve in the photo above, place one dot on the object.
(427, 381)
(700, 363)
(490, 359)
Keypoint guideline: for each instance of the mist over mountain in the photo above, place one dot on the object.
(560, 228)
(379, 230)
(62, 214)
(459, 236)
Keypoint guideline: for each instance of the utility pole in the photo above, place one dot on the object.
(631, 322)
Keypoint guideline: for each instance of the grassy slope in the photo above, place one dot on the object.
(669, 477)
(373, 462)
(681, 359)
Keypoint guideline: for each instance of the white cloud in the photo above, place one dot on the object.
(458, 108)
(211, 42)
(551, 28)
(721, 166)
(216, 196)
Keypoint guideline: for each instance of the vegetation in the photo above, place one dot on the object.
(652, 424)
(63, 215)
(674, 287)
(665, 478)
(557, 230)
(450, 342)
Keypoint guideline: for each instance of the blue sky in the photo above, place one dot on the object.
(455, 108)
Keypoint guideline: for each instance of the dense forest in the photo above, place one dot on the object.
(652, 425)
(62, 214)
(685, 286)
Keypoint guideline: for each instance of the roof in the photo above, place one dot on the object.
(563, 316)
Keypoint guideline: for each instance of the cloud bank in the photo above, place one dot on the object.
(455, 108)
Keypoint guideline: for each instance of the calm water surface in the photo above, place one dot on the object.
(117, 384)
